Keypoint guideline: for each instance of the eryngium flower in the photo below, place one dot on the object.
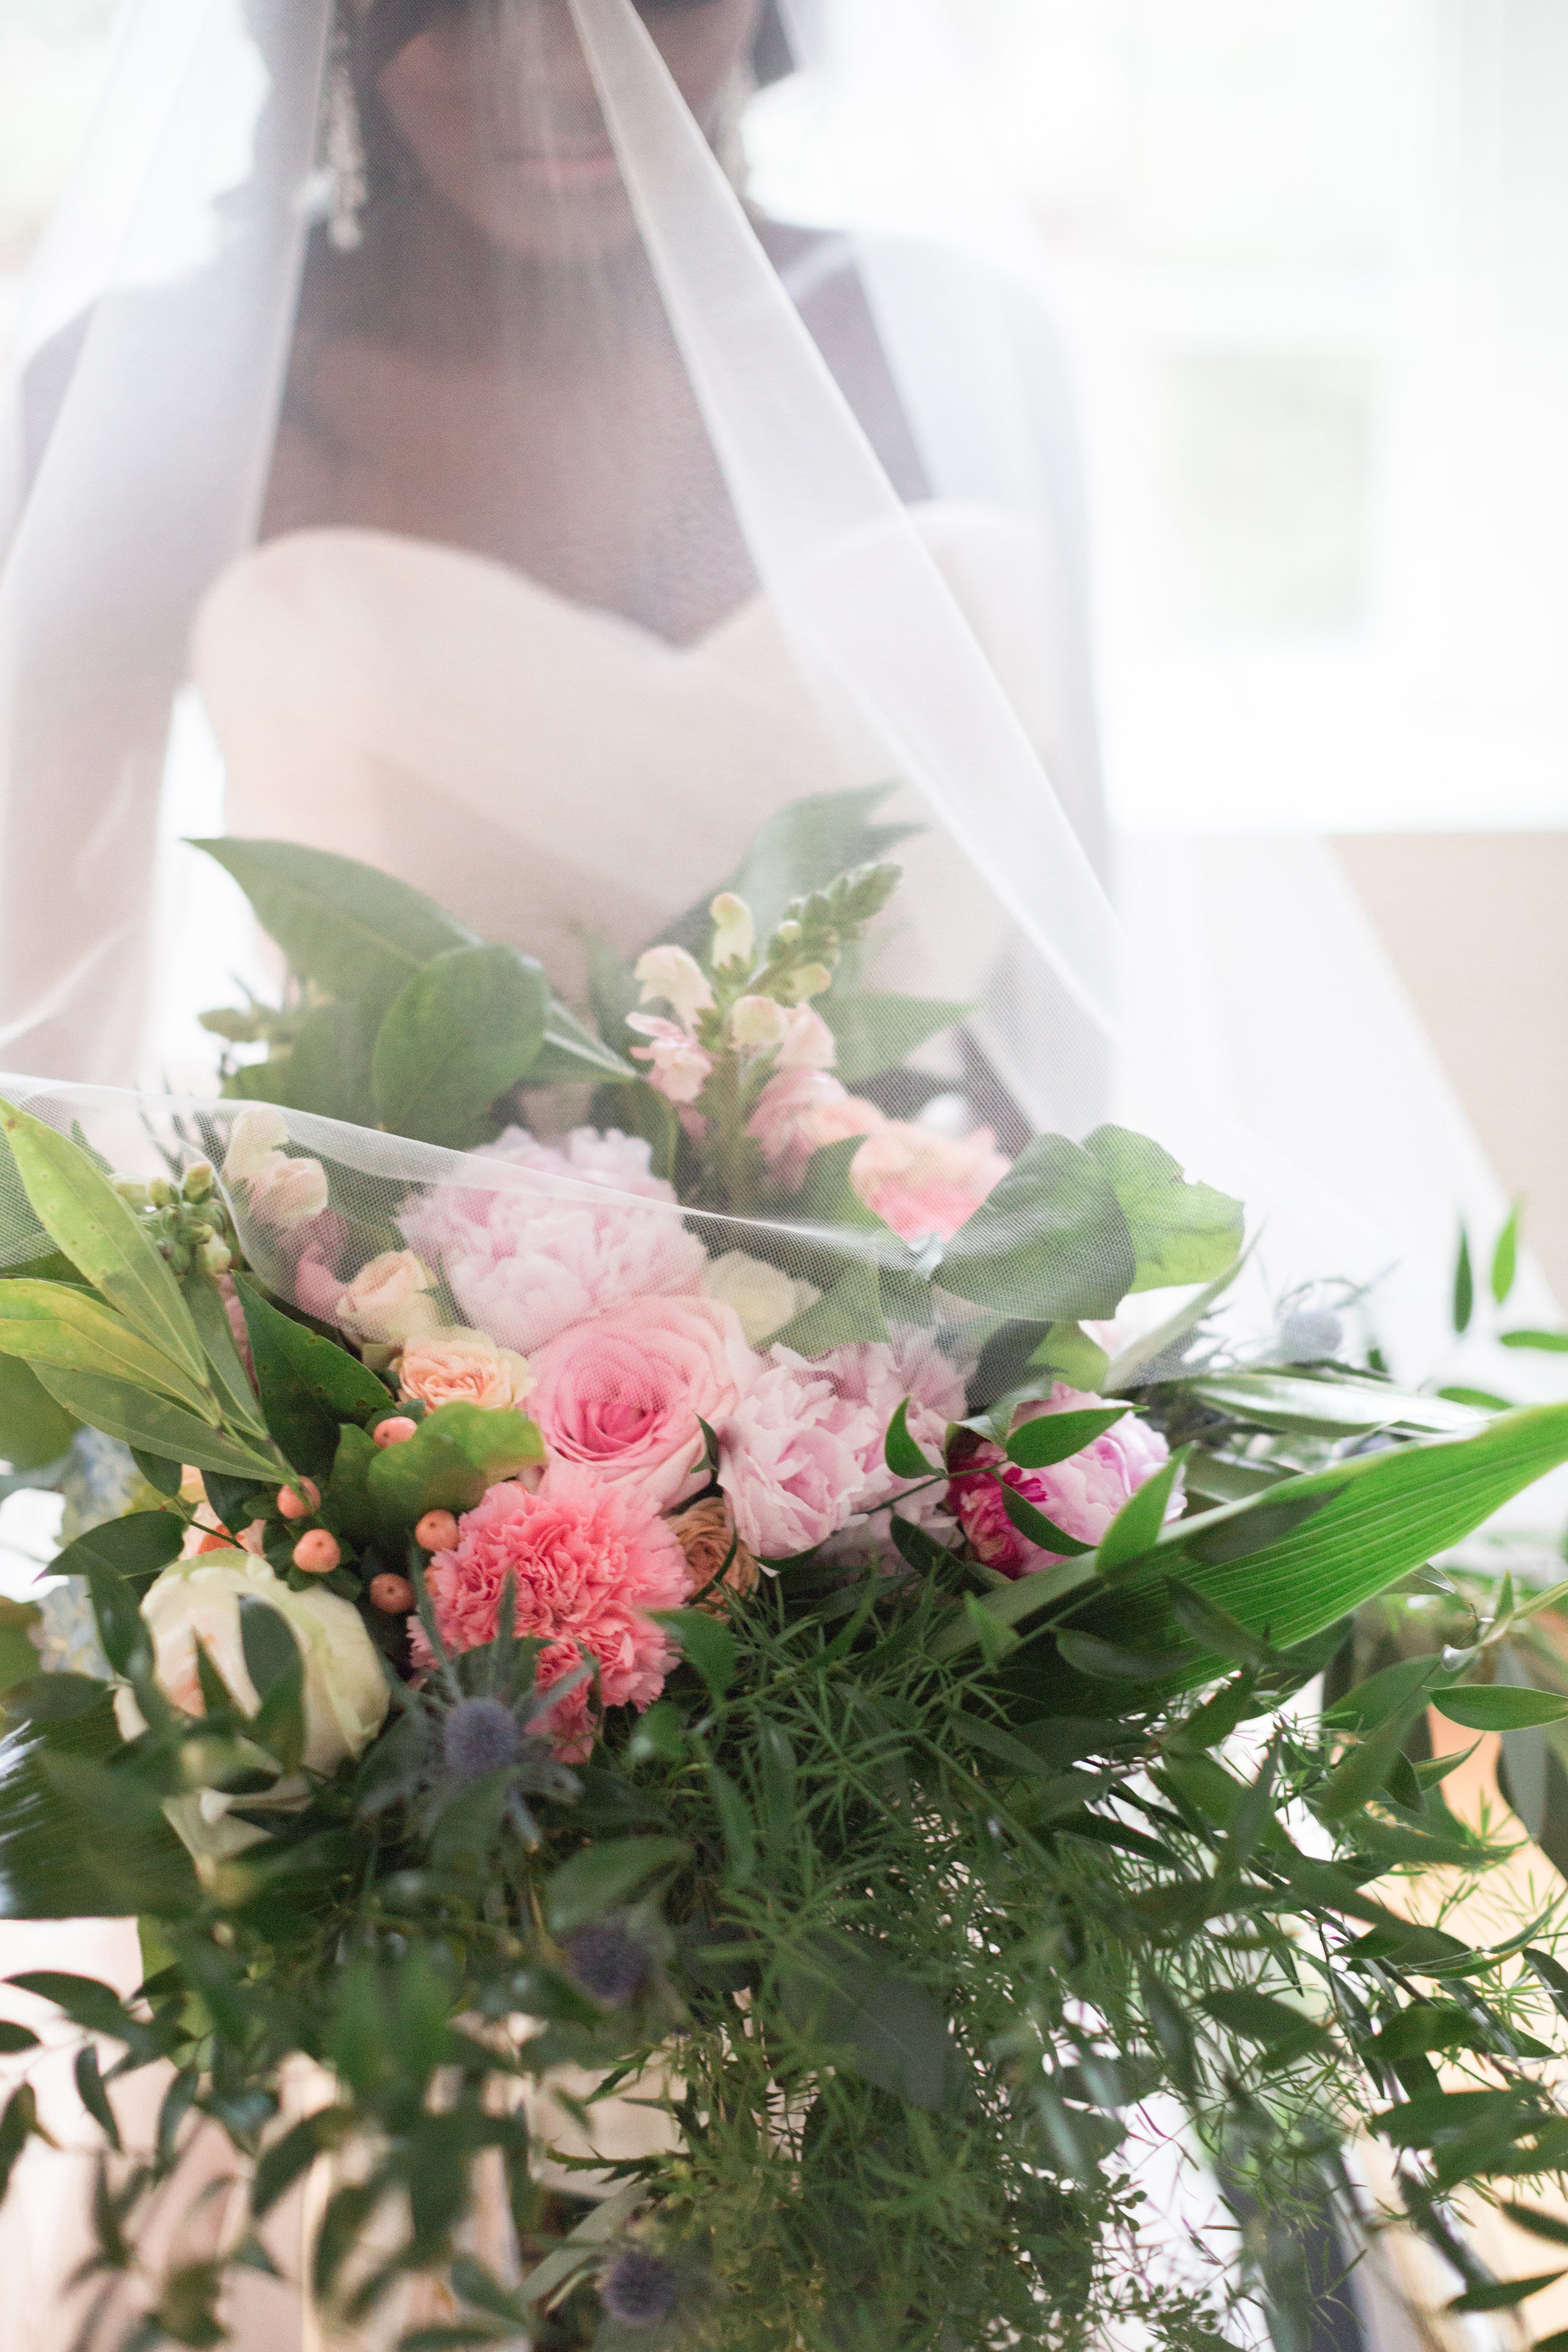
(480, 1736)
(611, 1965)
(639, 2289)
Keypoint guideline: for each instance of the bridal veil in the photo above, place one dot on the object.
(415, 421)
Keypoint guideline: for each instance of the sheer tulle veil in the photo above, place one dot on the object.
(414, 422)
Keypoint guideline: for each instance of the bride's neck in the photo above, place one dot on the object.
(427, 280)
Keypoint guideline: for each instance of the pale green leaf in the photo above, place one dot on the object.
(353, 931)
(460, 1033)
(1050, 1246)
(155, 1426)
(1182, 1232)
(875, 1034)
(85, 1217)
(1342, 1404)
(55, 1323)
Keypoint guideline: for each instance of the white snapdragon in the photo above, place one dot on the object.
(670, 975)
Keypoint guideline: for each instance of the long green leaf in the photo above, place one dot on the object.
(85, 1217)
(1391, 1513)
(154, 1427)
(55, 1323)
(1284, 1401)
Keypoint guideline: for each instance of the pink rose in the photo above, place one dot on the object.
(622, 1396)
(792, 1458)
(388, 1301)
(680, 1067)
(1082, 1496)
(800, 1111)
(587, 1562)
(284, 1193)
(589, 1228)
(464, 1367)
(921, 1182)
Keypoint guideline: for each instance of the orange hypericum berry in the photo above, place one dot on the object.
(395, 1432)
(436, 1532)
(215, 1543)
(298, 1503)
(317, 1552)
(392, 1595)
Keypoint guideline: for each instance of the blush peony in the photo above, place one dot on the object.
(623, 1395)
(597, 1229)
(919, 1182)
(1082, 1496)
(587, 1562)
(793, 1458)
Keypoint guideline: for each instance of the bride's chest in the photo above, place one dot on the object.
(601, 484)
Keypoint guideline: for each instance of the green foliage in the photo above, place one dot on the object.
(33, 1430)
(1051, 1242)
(461, 1032)
(1180, 1231)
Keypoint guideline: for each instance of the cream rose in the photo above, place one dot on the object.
(449, 1367)
(388, 1301)
(763, 1298)
(345, 1691)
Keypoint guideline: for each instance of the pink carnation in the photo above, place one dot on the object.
(921, 1182)
(587, 1563)
(524, 1264)
(623, 1394)
(806, 1452)
(1082, 1496)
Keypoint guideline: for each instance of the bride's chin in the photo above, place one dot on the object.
(561, 210)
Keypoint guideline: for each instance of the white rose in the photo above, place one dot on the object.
(388, 1301)
(345, 1692)
(763, 1298)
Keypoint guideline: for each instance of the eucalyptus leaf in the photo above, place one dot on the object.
(460, 1033)
(458, 1452)
(1183, 1233)
(353, 931)
(875, 1034)
(1051, 1244)
(327, 1070)
(1053, 1437)
(849, 1312)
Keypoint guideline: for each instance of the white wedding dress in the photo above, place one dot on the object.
(541, 768)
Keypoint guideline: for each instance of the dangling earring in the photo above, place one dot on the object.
(342, 142)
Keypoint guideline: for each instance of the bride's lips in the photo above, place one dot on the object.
(567, 168)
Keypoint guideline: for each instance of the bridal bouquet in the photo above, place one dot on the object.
(663, 1600)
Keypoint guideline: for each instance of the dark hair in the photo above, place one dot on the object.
(392, 24)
